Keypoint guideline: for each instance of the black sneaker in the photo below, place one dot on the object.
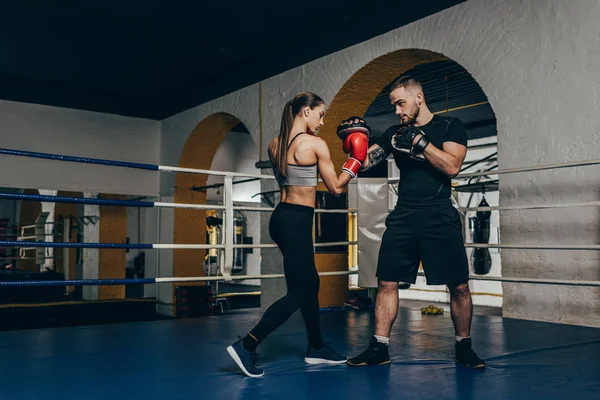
(324, 355)
(246, 360)
(376, 354)
(466, 356)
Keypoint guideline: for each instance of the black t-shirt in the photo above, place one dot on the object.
(420, 183)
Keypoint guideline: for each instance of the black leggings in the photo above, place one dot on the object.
(291, 228)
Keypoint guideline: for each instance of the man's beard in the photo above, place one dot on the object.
(411, 118)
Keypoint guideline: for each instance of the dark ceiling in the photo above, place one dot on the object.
(154, 58)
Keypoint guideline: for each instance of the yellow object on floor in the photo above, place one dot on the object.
(431, 310)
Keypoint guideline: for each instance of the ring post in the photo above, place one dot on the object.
(228, 221)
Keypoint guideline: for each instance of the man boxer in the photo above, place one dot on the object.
(424, 226)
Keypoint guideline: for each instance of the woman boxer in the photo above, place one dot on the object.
(296, 155)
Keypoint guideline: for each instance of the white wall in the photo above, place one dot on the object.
(150, 234)
(142, 227)
(91, 257)
(237, 153)
(134, 217)
(538, 64)
(49, 208)
(164, 260)
(487, 293)
(242, 104)
(253, 260)
(45, 129)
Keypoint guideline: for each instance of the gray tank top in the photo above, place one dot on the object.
(297, 175)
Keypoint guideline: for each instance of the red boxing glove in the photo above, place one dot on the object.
(356, 145)
(351, 167)
(355, 134)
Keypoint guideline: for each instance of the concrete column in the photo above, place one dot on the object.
(48, 207)
(91, 257)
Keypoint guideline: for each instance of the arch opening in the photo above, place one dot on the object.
(219, 142)
(449, 90)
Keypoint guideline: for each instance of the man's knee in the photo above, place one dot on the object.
(460, 290)
(387, 286)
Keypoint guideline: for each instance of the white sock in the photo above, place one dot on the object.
(459, 338)
(383, 339)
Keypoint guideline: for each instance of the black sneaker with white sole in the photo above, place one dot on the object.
(246, 360)
(324, 355)
(466, 356)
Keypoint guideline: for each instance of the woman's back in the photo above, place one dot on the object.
(299, 186)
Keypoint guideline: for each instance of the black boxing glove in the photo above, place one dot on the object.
(351, 125)
(403, 139)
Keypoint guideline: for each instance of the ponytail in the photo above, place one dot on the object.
(287, 119)
(291, 109)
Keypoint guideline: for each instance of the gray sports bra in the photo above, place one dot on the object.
(297, 175)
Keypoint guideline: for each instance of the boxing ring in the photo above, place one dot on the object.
(186, 358)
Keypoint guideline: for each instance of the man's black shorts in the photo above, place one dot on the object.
(431, 235)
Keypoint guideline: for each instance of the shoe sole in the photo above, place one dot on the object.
(364, 364)
(239, 363)
(315, 361)
(478, 366)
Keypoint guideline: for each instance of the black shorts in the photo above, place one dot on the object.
(432, 236)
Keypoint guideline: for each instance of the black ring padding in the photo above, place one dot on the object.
(361, 126)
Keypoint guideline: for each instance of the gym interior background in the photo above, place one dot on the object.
(130, 82)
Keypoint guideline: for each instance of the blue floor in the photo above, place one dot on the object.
(186, 359)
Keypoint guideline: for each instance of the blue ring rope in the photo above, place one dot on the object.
(79, 282)
(84, 160)
(18, 243)
(76, 200)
